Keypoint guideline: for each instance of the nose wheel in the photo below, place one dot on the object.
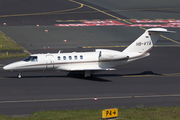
(19, 75)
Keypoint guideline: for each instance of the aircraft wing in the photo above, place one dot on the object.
(102, 69)
(86, 69)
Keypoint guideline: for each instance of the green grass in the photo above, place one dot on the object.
(6, 44)
(155, 113)
(13, 55)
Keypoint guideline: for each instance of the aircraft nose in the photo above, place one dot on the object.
(9, 67)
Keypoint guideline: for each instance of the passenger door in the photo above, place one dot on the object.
(49, 62)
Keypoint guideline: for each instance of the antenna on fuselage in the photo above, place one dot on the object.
(59, 51)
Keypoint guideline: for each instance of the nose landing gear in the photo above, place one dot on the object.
(19, 75)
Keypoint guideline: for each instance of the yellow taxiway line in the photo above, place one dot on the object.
(43, 13)
(127, 46)
(124, 19)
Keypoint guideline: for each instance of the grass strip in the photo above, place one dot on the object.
(13, 55)
(7, 44)
(141, 113)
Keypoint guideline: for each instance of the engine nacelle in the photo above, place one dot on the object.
(106, 54)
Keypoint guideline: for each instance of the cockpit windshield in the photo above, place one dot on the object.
(31, 58)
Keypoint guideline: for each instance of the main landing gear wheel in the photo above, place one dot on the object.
(88, 74)
(19, 75)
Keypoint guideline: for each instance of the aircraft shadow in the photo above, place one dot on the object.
(76, 75)
(135, 74)
(79, 75)
(38, 76)
(96, 77)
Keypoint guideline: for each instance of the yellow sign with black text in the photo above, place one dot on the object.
(110, 113)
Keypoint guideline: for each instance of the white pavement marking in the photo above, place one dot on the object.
(99, 98)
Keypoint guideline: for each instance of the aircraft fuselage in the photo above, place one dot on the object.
(100, 59)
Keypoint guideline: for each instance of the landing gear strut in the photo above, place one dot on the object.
(88, 74)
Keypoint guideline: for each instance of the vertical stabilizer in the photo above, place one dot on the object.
(146, 41)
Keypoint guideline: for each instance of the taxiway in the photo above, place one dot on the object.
(152, 81)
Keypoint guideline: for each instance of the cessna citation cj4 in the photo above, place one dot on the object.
(90, 62)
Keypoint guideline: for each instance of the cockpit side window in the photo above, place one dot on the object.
(34, 58)
(31, 58)
(27, 59)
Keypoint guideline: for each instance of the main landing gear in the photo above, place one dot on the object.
(88, 74)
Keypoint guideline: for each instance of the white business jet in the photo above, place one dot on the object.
(90, 62)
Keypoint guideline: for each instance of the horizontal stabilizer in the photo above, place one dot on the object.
(161, 30)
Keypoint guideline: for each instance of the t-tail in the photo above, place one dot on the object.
(140, 47)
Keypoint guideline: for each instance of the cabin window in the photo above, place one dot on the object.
(70, 58)
(75, 57)
(31, 58)
(81, 57)
(59, 58)
(64, 57)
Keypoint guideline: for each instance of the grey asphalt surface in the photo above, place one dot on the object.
(152, 81)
